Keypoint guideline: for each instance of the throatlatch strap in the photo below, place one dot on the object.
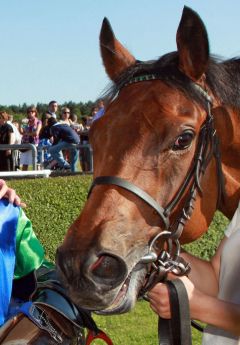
(177, 330)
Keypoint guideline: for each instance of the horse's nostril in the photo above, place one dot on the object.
(109, 268)
(105, 266)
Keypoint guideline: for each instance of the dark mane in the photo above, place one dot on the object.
(222, 77)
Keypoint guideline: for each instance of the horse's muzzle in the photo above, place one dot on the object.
(105, 270)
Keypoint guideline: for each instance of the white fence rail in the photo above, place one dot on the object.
(35, 150)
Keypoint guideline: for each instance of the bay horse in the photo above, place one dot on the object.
(157, 164)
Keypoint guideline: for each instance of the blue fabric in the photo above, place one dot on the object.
(43, 155)
(99, 114)
(8, 227)
(65, 133)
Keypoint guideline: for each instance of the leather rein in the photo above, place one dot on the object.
(169, 260)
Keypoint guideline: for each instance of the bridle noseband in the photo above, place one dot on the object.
(207, 147)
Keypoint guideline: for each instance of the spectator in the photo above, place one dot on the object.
(6, 137)
(44, 156)
(64, 137)
(101, 110)
(85, 153)
(24, 123)
(52, 109)
(17, 140)
(65, 119)
(65, 116)
(15, 127)
(78, 127)
(90, 117)
(30, 136)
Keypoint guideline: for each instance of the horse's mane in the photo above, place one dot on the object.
(222, 77)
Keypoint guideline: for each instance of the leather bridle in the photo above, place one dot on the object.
(207, 147)
(169, 260)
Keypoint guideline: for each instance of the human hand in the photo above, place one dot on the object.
(160, 301)
(10, 194)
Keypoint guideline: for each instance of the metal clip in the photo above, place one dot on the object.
(149, 258)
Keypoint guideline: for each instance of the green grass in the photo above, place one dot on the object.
(138, 327)
(52, 205)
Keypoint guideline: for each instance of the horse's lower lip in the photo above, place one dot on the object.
(119, 300)
(124, 300)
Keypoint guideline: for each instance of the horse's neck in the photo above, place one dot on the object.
(228, 130)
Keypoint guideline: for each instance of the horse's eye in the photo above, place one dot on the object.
(183, 141)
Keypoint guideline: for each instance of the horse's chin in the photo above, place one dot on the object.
(128, 293)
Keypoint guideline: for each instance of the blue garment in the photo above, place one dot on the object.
(99, 114)
(64, 132)
(8, 226)
(43, 154)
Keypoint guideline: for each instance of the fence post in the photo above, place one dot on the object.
(31, 147)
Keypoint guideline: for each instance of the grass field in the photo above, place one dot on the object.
(52, 205)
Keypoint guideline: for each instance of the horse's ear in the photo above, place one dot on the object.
(193, 46)
(115, 57)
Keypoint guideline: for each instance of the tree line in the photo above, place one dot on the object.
(20, 111)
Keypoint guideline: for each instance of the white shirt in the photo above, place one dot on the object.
(229, 287)
(17, 135)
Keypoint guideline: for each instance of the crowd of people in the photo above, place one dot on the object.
(56, 135)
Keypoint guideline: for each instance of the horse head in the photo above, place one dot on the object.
(154, 166)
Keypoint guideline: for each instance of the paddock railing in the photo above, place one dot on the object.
(39, 151)
(31, 147)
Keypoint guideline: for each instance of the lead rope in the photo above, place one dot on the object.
(177, 330)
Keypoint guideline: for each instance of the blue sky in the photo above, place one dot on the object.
(50, 48)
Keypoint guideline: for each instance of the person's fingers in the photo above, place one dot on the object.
(162, 309)
(12, 197)
(3, 188)
(159, 289)
(10, 194)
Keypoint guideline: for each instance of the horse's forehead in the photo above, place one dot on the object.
(155, 98)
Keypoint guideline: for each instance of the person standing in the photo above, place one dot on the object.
(65, 116)
(85, 153)
(53, 108)
(6, 137)
(17, 140)
(100, 112)
(30, 135)
(44, 142)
